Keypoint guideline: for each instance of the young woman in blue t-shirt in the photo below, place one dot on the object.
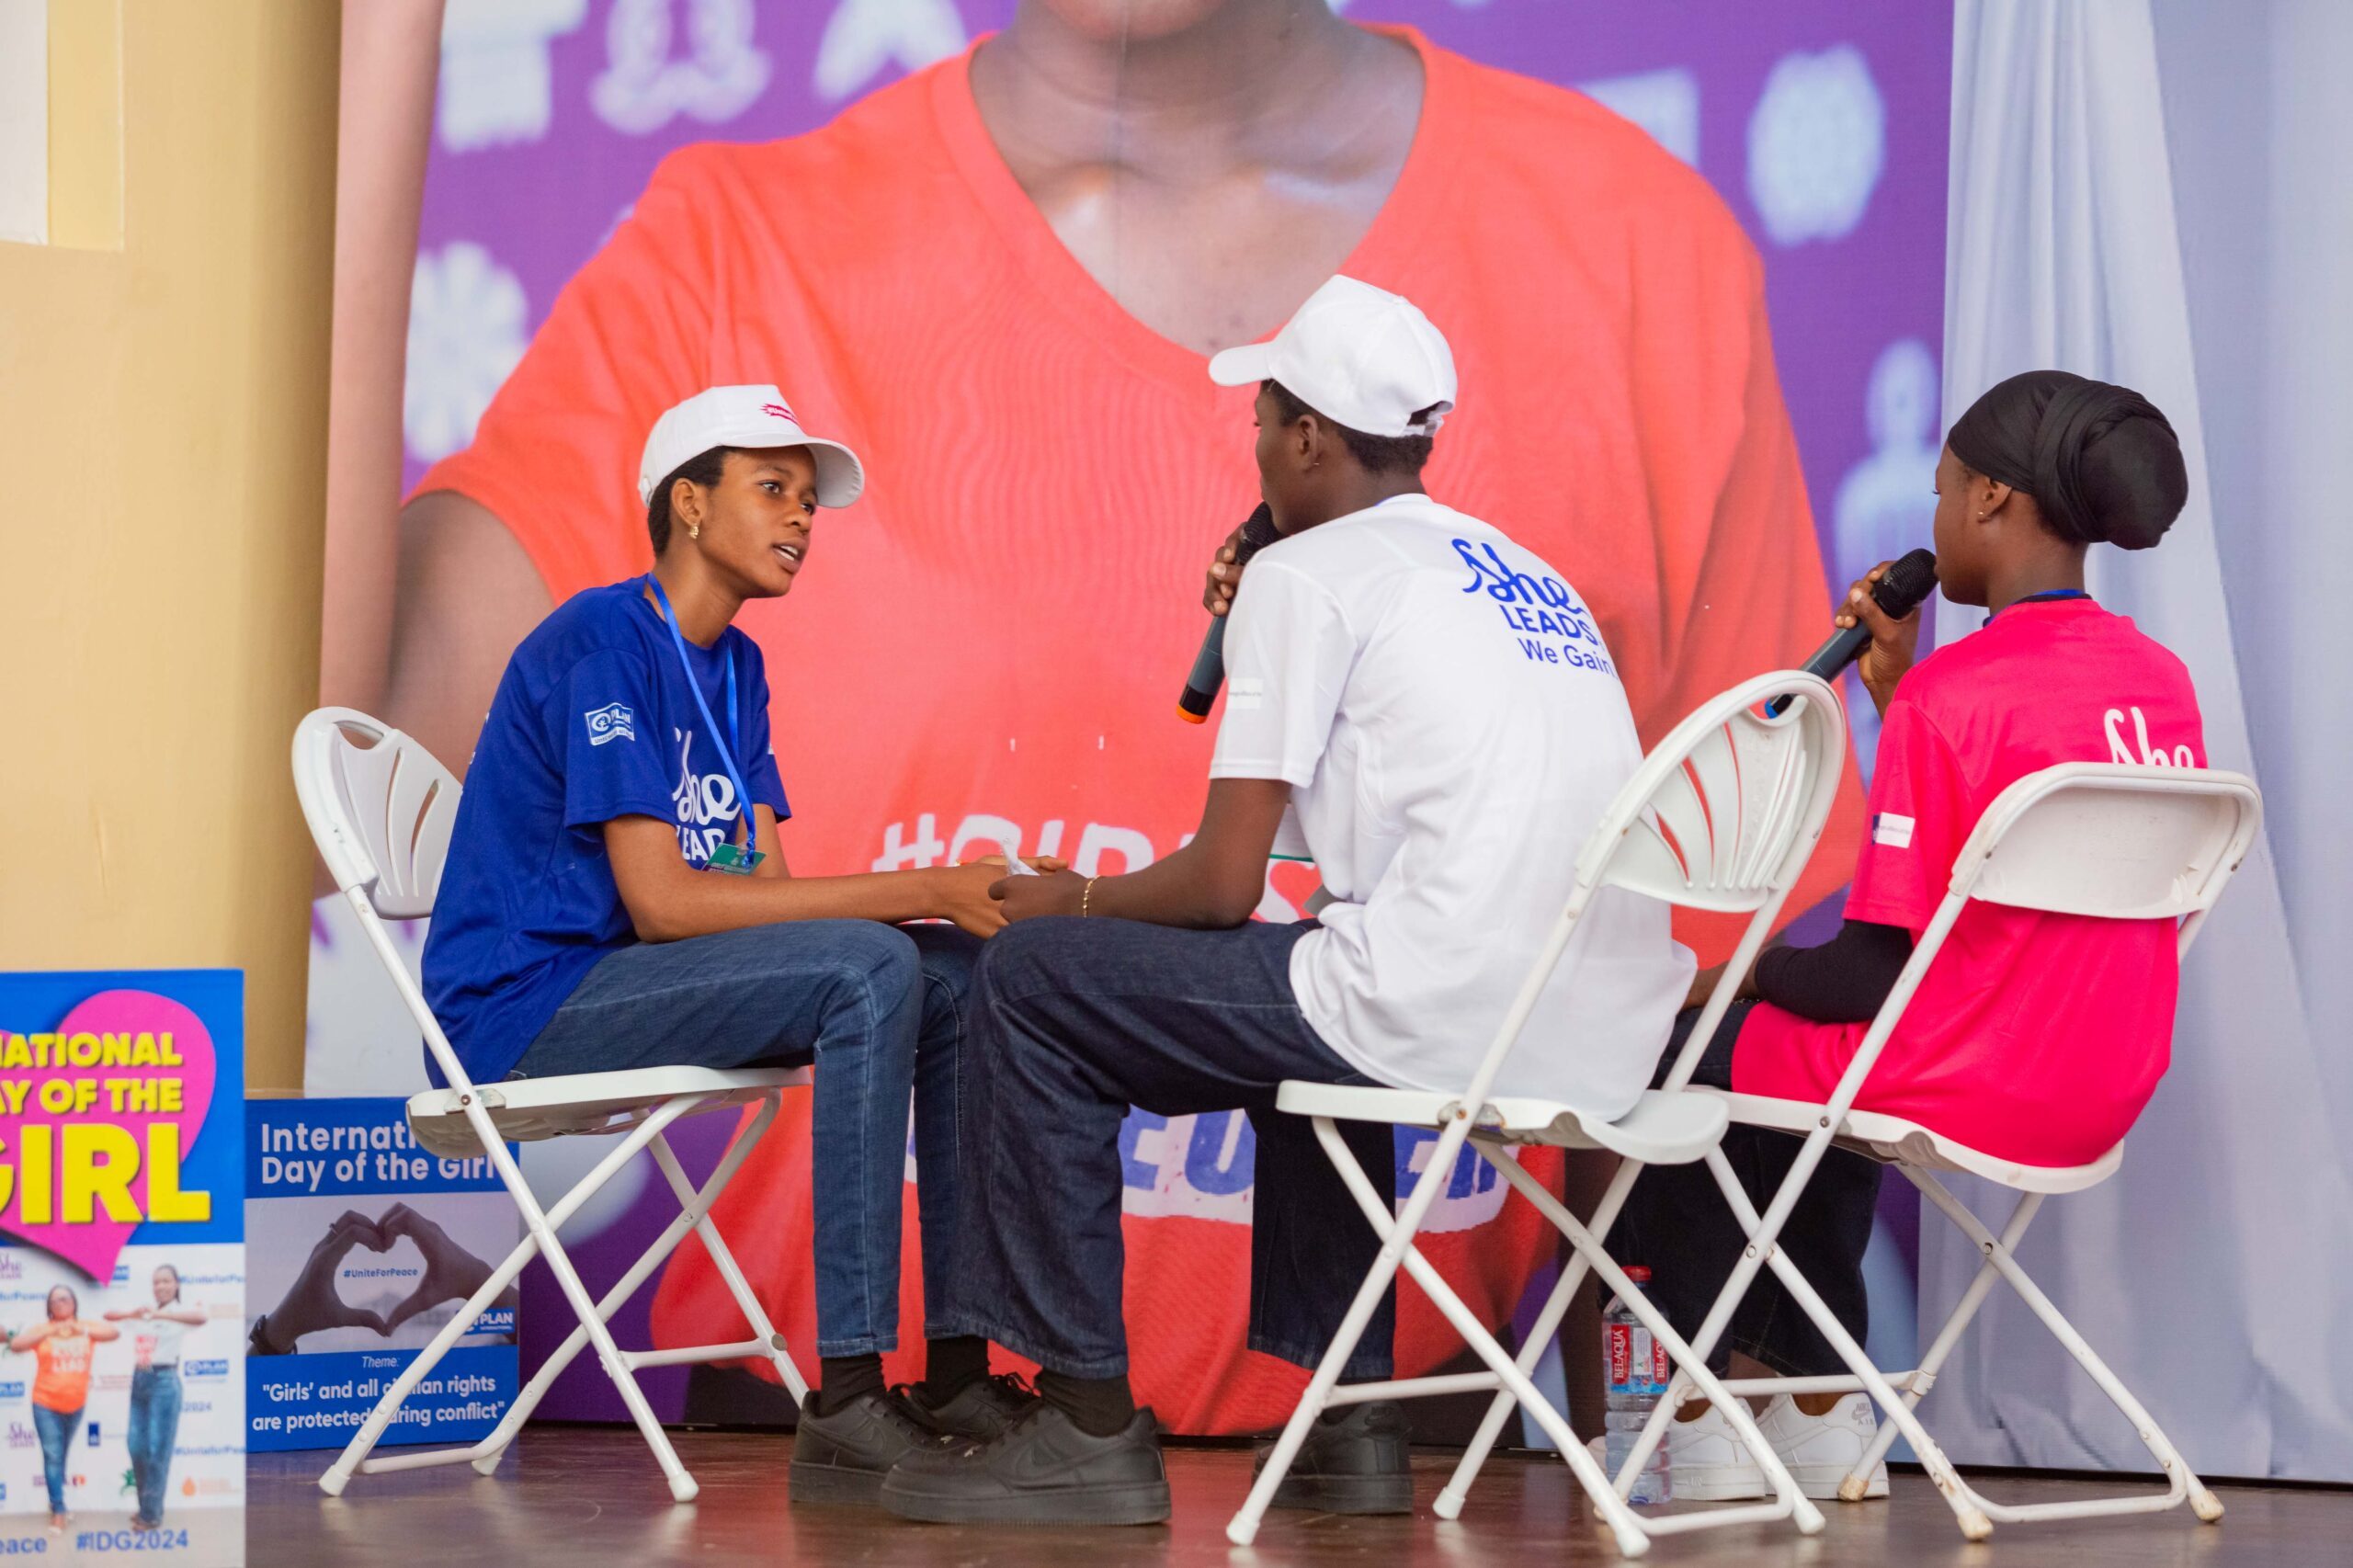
(616, 897)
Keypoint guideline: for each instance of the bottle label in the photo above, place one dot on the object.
(1637, 1363)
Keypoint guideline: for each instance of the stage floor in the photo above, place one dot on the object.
(585, 1497)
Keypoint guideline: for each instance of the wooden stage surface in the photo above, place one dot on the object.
(586, 1497)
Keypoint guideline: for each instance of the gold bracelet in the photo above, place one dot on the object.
(1086, 896)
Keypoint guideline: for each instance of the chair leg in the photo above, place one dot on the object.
(1548, 1323)
(609, 1354)
(1967, 1506)
(1785, 1487)
(708, 1232)
(1948, 1339)
(1632, 1532)
(356, 1451)
(1762, 1247)
(1243, 1529)
(1396, 1235)
(2181, 1482)
(694, 1210)
(540, 1227)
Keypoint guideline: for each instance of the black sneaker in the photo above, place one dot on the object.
(1042, 1470)
(980, 1410)
(1357, 1460)
(841, 1458)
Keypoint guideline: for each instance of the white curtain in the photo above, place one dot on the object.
(2216, 1272)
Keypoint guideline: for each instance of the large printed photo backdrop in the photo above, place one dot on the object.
(1690, 260)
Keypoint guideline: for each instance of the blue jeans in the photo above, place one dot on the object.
(878, 1008)
(1074, 1020)
(56, 1430)
(154, 1432)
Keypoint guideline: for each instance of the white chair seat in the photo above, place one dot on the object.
(528, 1109)
(1661, 1129)
(1891, 1140)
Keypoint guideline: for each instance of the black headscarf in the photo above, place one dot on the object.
(2100, 462)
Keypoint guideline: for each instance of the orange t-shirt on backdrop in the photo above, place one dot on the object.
(62, 1372)
(989, 643)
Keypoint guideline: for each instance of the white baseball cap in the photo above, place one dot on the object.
(753, 417)
(1359, 355)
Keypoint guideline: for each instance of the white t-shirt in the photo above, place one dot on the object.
(157, 1342)
(1452, 728)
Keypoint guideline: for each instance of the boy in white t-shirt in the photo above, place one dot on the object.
(1435, 707)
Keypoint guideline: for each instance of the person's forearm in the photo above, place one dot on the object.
(1184, 889)
(697, 903)
(390, 57)
(1843, 981)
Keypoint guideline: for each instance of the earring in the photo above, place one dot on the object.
(694, 531)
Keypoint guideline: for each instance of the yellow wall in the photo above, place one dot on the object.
(163, 421)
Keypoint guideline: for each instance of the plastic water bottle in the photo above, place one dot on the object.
(1636, 1371)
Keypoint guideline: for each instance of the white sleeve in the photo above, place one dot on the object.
(1287, 651)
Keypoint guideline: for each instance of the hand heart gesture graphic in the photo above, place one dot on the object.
(314, 1301)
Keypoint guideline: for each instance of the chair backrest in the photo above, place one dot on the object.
(379, 808)
(1721, 815)
(1724, 812)
(2119, 840)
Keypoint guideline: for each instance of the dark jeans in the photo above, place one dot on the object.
(153, 1433)
(879, 1008)
(1074, 1020)
(1677, 1224)
(56, 1431)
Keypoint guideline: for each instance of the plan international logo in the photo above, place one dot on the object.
(610, 722)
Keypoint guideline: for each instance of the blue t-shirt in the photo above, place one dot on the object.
(593, 721)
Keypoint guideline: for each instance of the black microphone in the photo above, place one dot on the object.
(1209, 666)
(1898, 592)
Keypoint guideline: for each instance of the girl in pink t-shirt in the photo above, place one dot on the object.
(2033, 1037)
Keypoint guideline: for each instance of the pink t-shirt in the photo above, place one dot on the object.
(2034, 1037)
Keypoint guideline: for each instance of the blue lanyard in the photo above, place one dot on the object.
(726, 747)
(2055, 595)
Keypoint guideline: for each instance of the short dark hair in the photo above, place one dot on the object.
(1382, 454)
(702, 469)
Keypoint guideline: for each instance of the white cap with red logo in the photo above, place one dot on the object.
(752, 417)
(1353, 353)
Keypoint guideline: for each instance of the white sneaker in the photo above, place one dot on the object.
(1819, 1449)
(1707, 1462)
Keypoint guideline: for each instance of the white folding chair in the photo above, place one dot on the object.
(381, 809)
(1720, 816)
(2122, 843)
